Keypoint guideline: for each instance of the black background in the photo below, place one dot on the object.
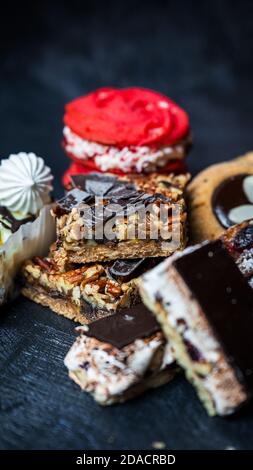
(200, 54)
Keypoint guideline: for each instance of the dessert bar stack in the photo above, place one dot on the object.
(203, 300)
(92, 278)
(90, 273)
(119, 266)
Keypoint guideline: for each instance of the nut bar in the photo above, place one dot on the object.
(121, 356)
(85, 294)
(105, 218)
(205, 307)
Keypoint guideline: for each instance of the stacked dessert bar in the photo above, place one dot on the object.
(90, 273)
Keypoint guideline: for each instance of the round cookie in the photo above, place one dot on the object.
(219, 197)
(130, 116)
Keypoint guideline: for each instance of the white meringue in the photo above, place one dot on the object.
(25, 183)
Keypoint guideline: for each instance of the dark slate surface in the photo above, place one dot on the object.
(200, 53)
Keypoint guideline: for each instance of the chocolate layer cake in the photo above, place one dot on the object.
(86, 293)
(120, 356)
(105, 218)
(205, 307)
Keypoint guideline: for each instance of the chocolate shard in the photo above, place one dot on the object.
(72, 199)
(125, 270)
(114, 190)
(99, 188)
(125, 326)
(94, 183)
(122, 192)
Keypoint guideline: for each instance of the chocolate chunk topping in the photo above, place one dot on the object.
(113, 189)
(72, 199)
(80, 180)
(77, 181)
(117, 199)
(122, 192)
(99, 188)
(124, 327)
(228, 195)
(131, 198)
(10, 222)
(226, 300)
(125, 270)
(95, 183)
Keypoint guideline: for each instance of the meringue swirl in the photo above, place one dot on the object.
(25, 183)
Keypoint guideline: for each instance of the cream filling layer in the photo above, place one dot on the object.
(111, 371)
(127, 159)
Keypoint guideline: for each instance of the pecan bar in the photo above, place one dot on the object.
(120, 356)
(205, 307)
(105, 218)
(86, 293)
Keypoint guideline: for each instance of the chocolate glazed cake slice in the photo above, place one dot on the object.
(121, 356)
(205, 307)
(86, 293)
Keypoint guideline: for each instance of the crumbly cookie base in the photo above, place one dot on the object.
(123, 250)
(60, 306)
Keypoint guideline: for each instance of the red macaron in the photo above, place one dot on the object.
(125, 131)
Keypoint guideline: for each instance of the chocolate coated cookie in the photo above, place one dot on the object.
(219, 197)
